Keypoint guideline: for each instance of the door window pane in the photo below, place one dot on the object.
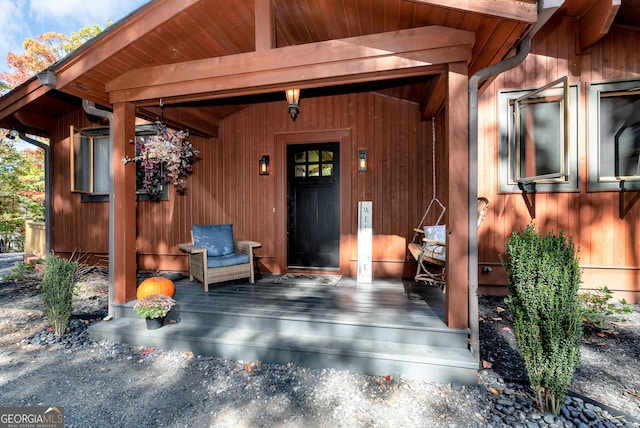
(314, 170)
(301, 157)
(314, 163)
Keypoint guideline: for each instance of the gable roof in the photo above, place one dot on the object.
(208, 59)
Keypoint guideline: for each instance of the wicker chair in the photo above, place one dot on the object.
(215, 257)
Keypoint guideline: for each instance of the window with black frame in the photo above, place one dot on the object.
(538, 138)
(614, 135)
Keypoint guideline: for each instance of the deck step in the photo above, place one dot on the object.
(382, 330)
(348, 327)
(427, 362)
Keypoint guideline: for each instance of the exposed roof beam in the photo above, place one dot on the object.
(526, 11)
(192, 119)
(433, 98)
(595, 24)
(416, 51)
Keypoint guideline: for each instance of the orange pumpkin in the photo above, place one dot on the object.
(156, 285)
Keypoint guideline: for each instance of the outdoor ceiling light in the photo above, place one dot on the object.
(293, 99)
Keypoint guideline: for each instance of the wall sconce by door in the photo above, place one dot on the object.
(362, 160)
(264, 165)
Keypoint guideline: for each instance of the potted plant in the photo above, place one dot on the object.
(166, 156)
(154, 309)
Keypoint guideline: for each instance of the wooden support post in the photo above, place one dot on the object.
(124, 200)
(457, 162)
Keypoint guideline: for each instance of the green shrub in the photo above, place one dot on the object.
(57, 291)
(544, 277)
(20, 271)
(597, 308)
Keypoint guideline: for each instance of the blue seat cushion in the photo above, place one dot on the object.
(216, 238)
(228, 260)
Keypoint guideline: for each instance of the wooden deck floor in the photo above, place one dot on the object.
(385, 302)
(388, 327)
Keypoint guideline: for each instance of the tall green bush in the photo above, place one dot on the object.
(544, 277)
(57, 291)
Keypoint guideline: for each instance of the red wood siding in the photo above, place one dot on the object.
(225, 186)
(79, 227)
(608, 240)
(389, 129)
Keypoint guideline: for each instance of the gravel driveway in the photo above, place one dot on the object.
(117, 385)
(7, 260)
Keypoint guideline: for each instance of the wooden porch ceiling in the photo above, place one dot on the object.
(411, 52)
(168, 41)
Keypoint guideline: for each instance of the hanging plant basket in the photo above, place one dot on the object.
(164, 157)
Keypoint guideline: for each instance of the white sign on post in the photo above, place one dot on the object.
(365, 241)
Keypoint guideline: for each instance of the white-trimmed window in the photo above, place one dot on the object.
(614, 135)
(538, 138)
(91, 162)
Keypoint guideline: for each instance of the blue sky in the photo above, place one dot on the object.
(20, 19)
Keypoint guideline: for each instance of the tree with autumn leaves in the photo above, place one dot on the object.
(41, 52)
(22, 171)
(22, 190)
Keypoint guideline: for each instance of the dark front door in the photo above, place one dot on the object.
(313, 196)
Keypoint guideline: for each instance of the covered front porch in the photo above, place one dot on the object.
(387, 77)
(391, 327)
